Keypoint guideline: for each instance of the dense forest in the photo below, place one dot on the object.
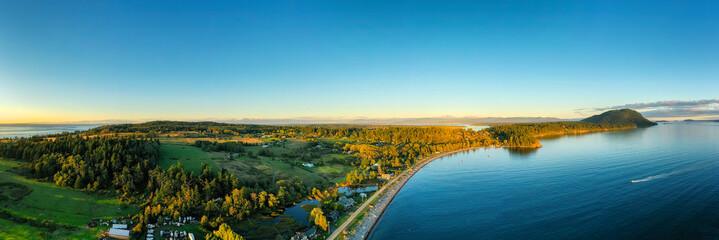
(118, 163)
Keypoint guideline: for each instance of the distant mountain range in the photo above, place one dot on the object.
(404, 121)
(614, 116)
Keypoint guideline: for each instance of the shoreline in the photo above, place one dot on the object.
(386, 197)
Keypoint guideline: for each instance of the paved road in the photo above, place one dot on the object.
(347, 222)
(415, 168)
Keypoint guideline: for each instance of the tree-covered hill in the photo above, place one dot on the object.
(526, 134)
(620, 117)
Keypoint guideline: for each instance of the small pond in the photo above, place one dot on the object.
(297, 213)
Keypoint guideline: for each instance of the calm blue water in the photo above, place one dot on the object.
(575, 187)
(297, 213)
(29, 130)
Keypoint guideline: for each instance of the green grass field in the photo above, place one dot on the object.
(47, 201)
(284, 169)
(191, 157)
(244, 167)
(332, 171)
(50, 202)
(6, 164)
(11, 231)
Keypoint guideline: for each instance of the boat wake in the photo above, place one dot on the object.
(658, 176)
(673, 173)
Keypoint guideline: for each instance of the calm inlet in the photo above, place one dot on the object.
(660, 182)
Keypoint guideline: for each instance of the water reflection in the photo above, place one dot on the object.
(521, 152)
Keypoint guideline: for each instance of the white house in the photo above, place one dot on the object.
(119, 226)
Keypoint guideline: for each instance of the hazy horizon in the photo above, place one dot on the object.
(442, 120)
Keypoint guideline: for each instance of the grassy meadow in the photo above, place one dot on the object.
(175, 149)
(50, 202)
(6, 164)
(12, 231)
(190, 157)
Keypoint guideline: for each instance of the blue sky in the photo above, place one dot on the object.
(95, 60)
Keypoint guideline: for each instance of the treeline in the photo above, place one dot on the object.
(101, 163)
(161, 127)
(526, 134)
(393, 149)
(208, 146)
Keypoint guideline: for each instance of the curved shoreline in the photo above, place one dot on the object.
(386, 197)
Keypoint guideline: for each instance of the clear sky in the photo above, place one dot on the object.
(96, 60)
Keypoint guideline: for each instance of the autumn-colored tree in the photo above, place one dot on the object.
(223, 233)
(317, 217)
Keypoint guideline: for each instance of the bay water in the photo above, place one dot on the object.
(660, 182)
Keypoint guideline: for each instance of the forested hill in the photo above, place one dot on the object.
(620, 117)
(527, 134)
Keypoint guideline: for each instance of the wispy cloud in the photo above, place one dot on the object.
(667, 108)
(677, 113)
(664, 104)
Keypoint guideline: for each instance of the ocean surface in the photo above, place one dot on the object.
(660, 182)
(29, 130)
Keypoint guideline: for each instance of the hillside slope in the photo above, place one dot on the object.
(620, 117)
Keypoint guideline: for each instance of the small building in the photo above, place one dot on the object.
(308, 165)
(121, 234)
(386, 176)
(334, 215)
(307, 235)
(299, 236)
(346, 202)
(119, 226)
(311, 233)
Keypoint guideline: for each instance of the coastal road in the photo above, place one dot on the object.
(415, 168)
(347, 222)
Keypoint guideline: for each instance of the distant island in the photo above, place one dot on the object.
(527, 135)
(620, 117)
